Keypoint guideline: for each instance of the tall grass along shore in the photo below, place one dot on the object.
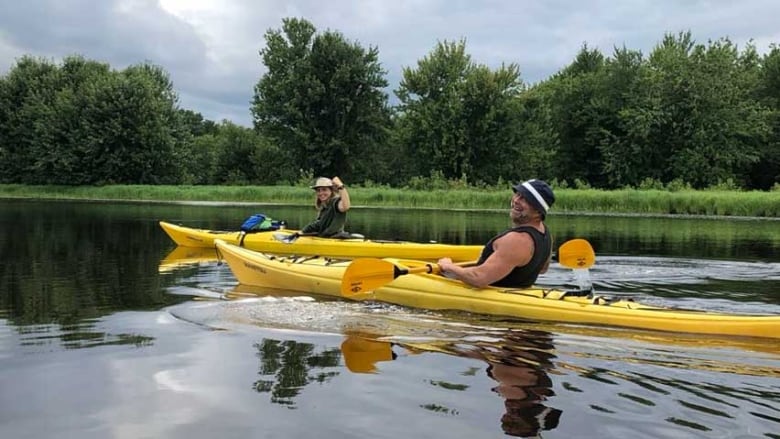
(625, 201)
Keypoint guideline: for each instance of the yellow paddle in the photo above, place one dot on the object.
(368, 274)
(578, 255)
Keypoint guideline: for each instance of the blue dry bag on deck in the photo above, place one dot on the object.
(261, 223)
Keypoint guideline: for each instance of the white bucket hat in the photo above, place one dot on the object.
(323, 182)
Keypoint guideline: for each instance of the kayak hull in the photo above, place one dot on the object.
(270, 242)
(430, 291)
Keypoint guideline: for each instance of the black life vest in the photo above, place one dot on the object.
(525, 276)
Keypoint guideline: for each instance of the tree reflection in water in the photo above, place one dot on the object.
(293, 365)
(519, 362)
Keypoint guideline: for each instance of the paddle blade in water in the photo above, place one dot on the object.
(576, 253)
(361, 355)
(366, 274)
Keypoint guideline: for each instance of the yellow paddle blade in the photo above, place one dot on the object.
(367, 274)
(576, 253)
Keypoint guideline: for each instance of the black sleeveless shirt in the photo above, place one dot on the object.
(525, 276)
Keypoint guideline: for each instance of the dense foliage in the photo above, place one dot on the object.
(321, 100)
(688, 115)
(463, 120)
(82, 123)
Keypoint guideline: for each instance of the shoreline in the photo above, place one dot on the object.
(208, 203)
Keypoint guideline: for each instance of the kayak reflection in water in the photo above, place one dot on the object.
(519, 363)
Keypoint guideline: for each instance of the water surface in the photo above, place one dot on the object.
(106, 331)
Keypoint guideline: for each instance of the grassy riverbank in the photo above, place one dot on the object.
(685, 202)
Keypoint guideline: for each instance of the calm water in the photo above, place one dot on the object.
(108, 331)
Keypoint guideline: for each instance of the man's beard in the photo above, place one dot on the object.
(519, 218)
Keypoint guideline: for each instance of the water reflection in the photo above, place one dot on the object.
(65, 264)
(86, 334)
(519, 363)
(520, 366)
(76, 275)
(286, 366)
(182, 257)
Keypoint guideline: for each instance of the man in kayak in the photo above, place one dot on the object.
(332, 203)
(515, 257)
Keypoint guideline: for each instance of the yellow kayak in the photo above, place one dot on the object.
(431, 291)
(283, 242)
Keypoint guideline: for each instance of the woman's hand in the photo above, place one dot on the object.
(344, 202)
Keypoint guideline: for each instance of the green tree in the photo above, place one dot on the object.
(710, 125)
(198, 159)
(576, 115)
(629, 120)
(431, 110)
(195, 123)
(462, 119)
(27, 93)
(322, 98)
(687, 113)
(83, 123)
(765, 173)
(537, 144)
(134, 129)
(246, 157)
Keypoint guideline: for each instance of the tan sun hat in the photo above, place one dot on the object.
(323, 182)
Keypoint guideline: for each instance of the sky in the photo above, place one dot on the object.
(210, 48)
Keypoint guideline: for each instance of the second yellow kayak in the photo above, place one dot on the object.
(282, 242)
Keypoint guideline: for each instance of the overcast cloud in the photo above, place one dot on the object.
(210, 47)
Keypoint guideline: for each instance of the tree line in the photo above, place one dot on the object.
(688, 114)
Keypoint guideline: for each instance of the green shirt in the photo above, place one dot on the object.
(330, 221)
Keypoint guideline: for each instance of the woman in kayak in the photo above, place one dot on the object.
(332, 203)
(515, 257)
